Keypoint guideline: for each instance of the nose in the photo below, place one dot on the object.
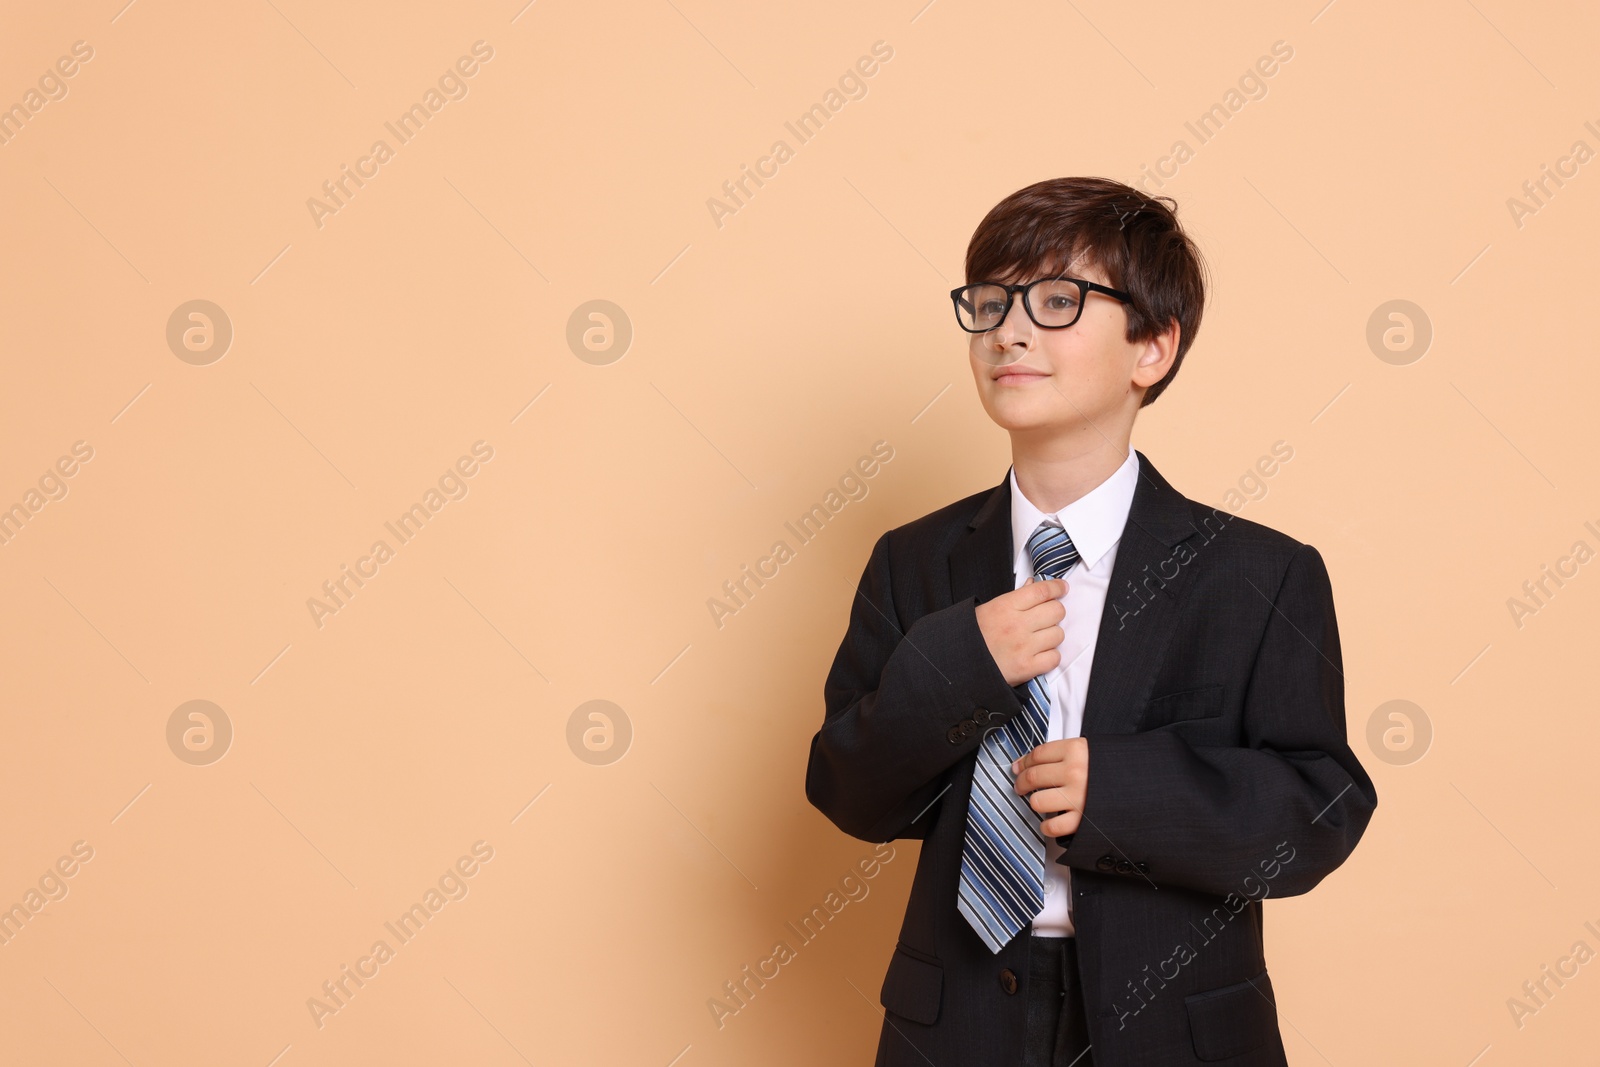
(1009, 341)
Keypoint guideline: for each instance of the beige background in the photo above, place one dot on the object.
(768, 353)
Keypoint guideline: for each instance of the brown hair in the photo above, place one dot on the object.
(1133, 238)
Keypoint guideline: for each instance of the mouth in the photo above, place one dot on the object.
(1018, 376)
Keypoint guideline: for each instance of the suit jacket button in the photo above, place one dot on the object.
(1124, 867)
(1008, 981)
(1105, 863)
(955, 736)
(982, 715)
(1143, 867)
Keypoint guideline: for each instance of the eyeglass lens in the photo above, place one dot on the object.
(1053, 303)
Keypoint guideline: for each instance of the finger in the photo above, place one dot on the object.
(1050, 752)
(1047, 636)
(1046, 776)
(1061, 825)
(1037, 592)
(1051, 801)
(1049, 613)
(1021, 764)
(1054, 610)
(1028, 763)
(1043, 662)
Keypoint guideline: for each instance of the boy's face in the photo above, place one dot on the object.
(1086, 377)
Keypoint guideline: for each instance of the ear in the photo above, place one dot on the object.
(1156, 356)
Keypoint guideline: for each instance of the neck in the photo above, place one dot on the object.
(1054, 473)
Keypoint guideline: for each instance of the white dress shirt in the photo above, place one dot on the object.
(1094, 522)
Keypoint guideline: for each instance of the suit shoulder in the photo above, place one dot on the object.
(1245, 531)
(942, 526)
(1234, 548)
(1245, 536)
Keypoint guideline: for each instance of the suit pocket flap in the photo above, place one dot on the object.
(1232, 1020)
(1202, 702)
(911, 988)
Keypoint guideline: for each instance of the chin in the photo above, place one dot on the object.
(1032, 416)
(1018, 417)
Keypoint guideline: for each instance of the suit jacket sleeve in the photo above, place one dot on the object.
(895, 705)
(1208, 817)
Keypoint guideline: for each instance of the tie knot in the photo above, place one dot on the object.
(1051, 550)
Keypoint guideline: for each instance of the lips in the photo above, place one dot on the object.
(1018, 375)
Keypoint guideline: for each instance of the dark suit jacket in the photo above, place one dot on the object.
(1219, 775)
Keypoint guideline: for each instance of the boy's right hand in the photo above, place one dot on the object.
(1020, 628)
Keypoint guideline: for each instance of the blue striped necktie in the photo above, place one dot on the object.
(1002, 861)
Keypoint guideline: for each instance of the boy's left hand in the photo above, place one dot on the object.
(1055, 778)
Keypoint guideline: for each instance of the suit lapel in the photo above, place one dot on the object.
(980, 564)
(1148, 583)
(1142, 601)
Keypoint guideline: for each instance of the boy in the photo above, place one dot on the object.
(1113, 715)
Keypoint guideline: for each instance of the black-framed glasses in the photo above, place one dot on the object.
(1052, 303)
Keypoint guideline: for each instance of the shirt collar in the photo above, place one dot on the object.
(1094, 521)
